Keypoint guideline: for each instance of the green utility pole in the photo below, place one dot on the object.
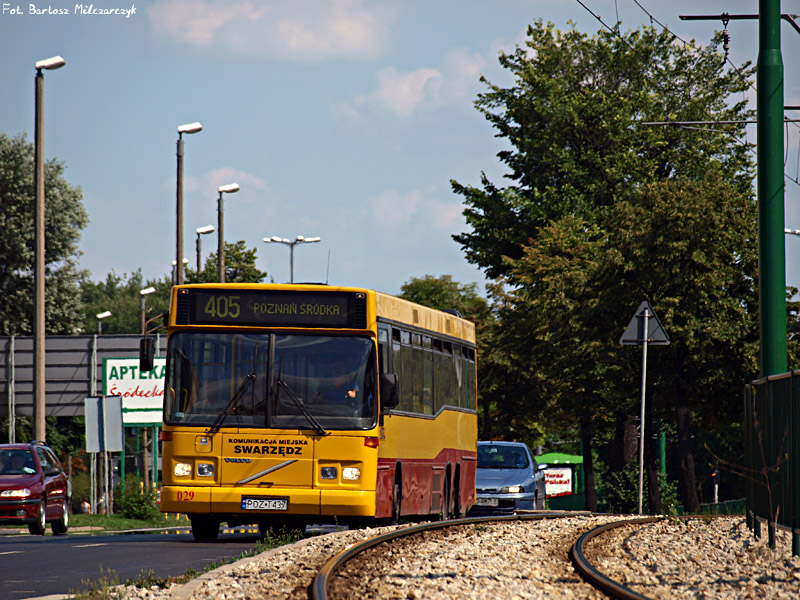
(771, 240)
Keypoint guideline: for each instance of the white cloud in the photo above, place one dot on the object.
(394, 208)
(305, 30)
(446, 215)
(209, 182)
(403, 92)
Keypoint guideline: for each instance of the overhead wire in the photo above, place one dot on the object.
(727, 60)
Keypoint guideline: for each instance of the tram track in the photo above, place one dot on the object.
(525, 556)
(597, 556)
(333, 582)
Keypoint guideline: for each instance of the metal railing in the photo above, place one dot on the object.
(772, 455)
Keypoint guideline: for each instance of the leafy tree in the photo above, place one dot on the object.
(65, 218)
(120, 296)
(603, 212)
(573, 121)
(240, 266)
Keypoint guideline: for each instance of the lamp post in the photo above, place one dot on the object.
(100, 317)
(231, 188)
(298, 240)
(175, 271)
(39, 401)
(188, 128)
(145, 292)
(202, 231)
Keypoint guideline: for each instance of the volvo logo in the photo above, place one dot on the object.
(237, 460)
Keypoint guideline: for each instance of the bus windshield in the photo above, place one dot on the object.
(274, 381)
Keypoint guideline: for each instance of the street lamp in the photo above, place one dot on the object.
(143, 293)
(188, 128)
(39, 402)
(174, 270)
(231, 188)
(299, 240)
(100, 317)
(202, 231)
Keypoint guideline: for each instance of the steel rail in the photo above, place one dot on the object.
(592, 575)
(319, 587)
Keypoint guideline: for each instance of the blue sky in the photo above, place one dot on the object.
(343, 119)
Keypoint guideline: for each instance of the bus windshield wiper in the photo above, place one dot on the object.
(248, 379)
(314, 423)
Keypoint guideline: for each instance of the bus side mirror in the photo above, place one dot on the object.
(390, 390)
(147, 350)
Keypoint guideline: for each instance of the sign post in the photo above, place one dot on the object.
(642, 330)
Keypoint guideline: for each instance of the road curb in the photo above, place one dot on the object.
(185, 591)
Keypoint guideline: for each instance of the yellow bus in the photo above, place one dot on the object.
(287, 405)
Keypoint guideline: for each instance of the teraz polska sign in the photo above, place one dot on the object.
(142, 391)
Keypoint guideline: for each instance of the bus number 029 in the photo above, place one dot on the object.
(223, 307)
(185, 496)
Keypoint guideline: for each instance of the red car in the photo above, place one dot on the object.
(33, 488)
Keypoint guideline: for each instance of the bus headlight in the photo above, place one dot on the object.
(205, 469)
(182, 469)
(351, 473)
(328, 472)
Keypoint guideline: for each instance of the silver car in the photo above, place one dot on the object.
(508, 479)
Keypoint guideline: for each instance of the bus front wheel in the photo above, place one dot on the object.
(204, 528)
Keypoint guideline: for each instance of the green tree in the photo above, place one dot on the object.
(121, 297)
(573, 122)
(592, 223)
(65, 218)
(240, 266)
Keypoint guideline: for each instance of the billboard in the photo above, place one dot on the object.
(142, 392)
(558, 481)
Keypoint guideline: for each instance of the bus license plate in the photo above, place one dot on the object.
(486, 502)
(265, 503)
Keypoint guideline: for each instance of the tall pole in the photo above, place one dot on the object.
(291, 262)
(642, 410)
(771, 241)
(198, 254)
(188, 128)
(220, 241)
(179, 215)
(39, 405)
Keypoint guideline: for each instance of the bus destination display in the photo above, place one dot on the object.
(272, 307)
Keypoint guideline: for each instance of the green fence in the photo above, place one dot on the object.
(772, 455)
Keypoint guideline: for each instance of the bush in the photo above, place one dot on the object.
(138, 503)
(621, 492)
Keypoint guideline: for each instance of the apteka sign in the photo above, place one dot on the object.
(142, 391)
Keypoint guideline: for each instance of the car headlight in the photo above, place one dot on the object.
(21, 493)
(182, 469)
(512, 489)
(205, 469)
(351, 473)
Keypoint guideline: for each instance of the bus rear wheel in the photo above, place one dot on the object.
(397, 499)
(205, 529)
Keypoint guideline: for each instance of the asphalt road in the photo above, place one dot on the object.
(34, 566)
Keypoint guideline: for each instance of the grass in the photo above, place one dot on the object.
(117, 523)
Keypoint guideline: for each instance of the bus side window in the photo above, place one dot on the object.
(383, 351)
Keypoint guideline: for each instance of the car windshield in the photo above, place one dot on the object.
(16, 462)
(271, 381)
(501, 456)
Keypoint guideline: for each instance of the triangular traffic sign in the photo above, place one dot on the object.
(635, 331)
